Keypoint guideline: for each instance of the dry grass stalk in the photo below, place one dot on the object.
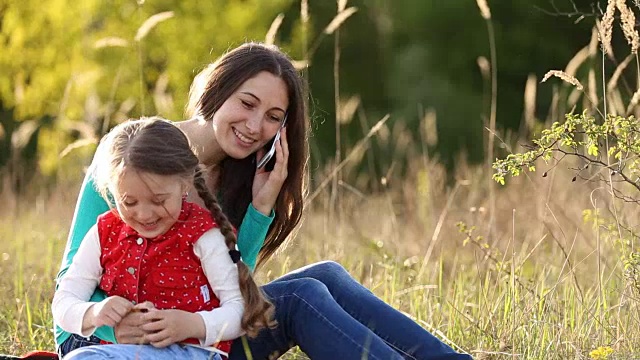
(633, 102)
(429, 127)
(363, 142)
(300, 64)
(339, 19)
(151, 22)
(348, 108)
(110, 42)
(573, 97)
(628, 24)
(484, 9)
(530, 102)
(270, 38)
(593, 96)
(605, 27)
(593, 43)
(577, 60)
(485, 67)
(304, 11)
(616, 104)
(342, 4)
(613, 82)
(564, 76)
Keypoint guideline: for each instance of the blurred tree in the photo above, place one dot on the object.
(41, 74)
(78, 68)
(437, 45)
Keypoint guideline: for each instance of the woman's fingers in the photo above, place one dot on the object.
(130, 330)
(144, 307)
(285, 144)
(279, 173)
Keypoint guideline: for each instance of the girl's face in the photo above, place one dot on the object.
(149, 203)
(251, 116)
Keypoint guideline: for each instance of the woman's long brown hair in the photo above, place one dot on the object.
(156, 146)
(211, 88)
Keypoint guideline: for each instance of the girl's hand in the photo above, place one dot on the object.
(167, 327)
(129, 329)
(267, 184)
(109, 312)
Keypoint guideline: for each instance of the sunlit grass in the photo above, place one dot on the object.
(32, 245)
(510, 296)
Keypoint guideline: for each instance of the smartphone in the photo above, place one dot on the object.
(268, 161)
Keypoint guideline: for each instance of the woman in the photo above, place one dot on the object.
(238, 104)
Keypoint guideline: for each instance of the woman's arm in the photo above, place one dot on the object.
(88, 207)
(252, 233)
(70, 301)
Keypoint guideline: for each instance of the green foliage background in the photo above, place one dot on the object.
(71, 69)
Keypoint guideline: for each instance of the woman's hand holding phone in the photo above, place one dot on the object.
(267, 184)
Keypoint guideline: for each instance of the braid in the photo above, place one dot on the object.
(258, 312)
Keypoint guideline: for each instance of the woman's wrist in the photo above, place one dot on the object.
(263, 209)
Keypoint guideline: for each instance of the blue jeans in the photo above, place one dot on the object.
(141, 352)
(330, 315)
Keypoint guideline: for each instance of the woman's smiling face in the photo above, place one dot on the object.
(251, 116)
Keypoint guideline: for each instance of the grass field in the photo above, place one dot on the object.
(545, 283)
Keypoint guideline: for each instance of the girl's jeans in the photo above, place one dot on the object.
(326, 312)
(142, 352)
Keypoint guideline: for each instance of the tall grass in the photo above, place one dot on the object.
(533, 292)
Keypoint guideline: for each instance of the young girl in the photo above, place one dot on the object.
(159, 248)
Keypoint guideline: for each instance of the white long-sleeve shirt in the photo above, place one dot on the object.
(71, 299)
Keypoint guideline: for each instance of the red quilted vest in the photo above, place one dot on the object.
(164, 270)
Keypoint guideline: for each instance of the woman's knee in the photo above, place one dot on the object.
(294, 298)
(330, 267)
(310, 289)
(330, 273)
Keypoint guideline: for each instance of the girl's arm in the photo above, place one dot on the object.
(223, 323)
(252, 233)
(71, 299)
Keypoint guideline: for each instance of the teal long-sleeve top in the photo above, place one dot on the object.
(90, 205)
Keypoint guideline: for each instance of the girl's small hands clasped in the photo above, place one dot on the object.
(129, 330)
(267, 184)
(109, 312)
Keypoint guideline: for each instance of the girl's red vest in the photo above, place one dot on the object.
(164, 270)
